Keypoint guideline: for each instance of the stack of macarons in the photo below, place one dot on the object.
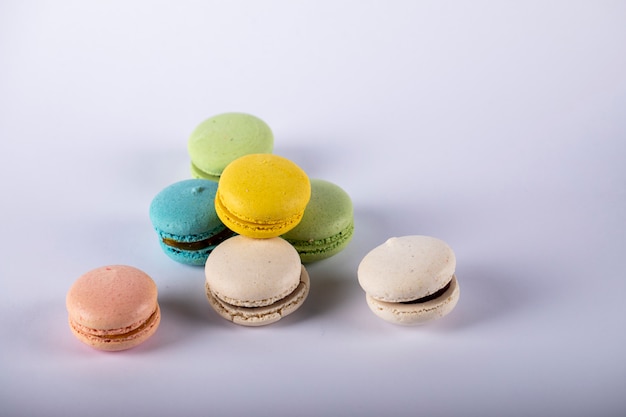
(315, 216)
(245, 200)
(257, 277)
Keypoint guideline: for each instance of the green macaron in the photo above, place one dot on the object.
(327, 225)
(221, 139)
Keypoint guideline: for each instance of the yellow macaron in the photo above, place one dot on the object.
(262, 195)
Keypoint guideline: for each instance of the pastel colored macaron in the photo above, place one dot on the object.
(410, 279)
(262, 195)
(327, 225)
(183, 215)
(113, 307)
(221, 139)
(254, 282)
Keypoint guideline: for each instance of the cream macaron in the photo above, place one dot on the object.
(410, 279)
(254, 282)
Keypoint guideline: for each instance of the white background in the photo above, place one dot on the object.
(497, 126)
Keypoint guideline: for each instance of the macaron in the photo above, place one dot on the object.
(113, 307)
(410, 279)
(183, 215)
(254, 282)
(262, 195)
(221, 139)
(327, 225)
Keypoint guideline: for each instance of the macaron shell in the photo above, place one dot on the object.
(197, 173)
(185, 208)
(113, 307)
(195, 258)
(112, 297)
(416, 313)
(249, 272)
(260, 316)
(327, 225)
(259, 229)
(406, 268)
(221, 139)
(317, 250)
(262, 195)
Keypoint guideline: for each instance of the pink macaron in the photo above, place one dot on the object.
(113, 307)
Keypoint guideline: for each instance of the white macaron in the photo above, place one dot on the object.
(410, 279)
(254, 282)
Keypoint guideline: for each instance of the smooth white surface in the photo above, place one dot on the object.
(498, 127)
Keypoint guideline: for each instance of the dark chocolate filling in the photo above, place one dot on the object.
(429, 297)
(200, 244)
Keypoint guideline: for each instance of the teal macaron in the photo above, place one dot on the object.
(221, 139)
(327, 225)
(183, 215)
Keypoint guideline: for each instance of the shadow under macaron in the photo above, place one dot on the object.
(488, 295)
(333, 282)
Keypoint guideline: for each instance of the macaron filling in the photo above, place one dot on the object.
(275, 305)
(413, 313)
(430, 297)
(196, 242)
(256, 303)
(123, 334)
